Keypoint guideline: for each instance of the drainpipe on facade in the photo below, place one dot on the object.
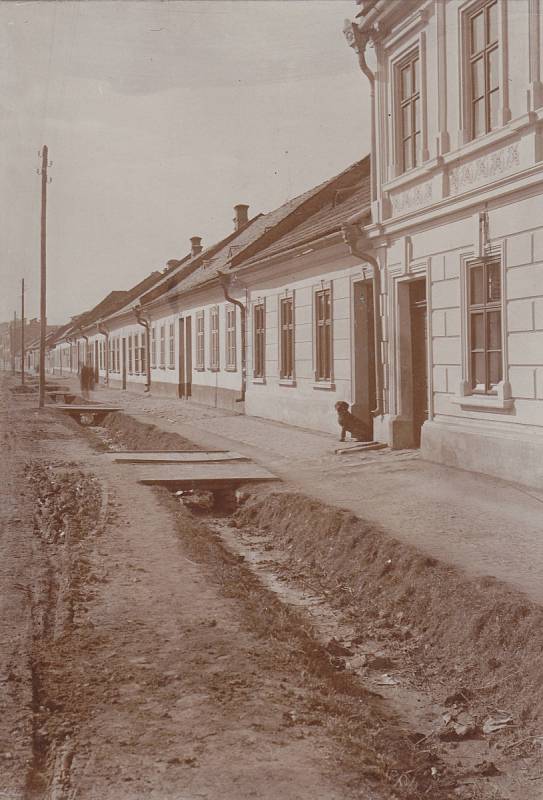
(359, 41)
(350, 235)
(141, 320)
(105, 334)
(225, 282)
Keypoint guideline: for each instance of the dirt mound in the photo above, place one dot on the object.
(480, 638)
(132, 434)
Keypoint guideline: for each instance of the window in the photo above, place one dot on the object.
(410, 112)
(323, 335)
(259, 340)
(484, 79)
(231, 337)
(130, 351)
(485, 325)
(136, 353)
(287, 339)
(143, 353)
(214, 336)
(153, 346)
(118, 353)
(162, 363)
(200, 340)
(171, 345)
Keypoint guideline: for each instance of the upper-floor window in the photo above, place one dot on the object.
(287, 338)
(200, 340)
(485, 325)
(484, 79)
(323, 335)
(410, 112)
(259, 340)
(231, 337)
(214, 337)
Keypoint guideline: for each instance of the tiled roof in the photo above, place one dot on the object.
(309, 212)
(326, 220)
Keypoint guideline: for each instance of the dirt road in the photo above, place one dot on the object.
(288, 650)
(140, 659)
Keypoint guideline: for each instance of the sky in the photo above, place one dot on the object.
(159, 118)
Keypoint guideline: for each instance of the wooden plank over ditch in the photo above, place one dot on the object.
(201, 475)
(174, 457)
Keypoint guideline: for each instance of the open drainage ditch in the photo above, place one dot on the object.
(458, 659)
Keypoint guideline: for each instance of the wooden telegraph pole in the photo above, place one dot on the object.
(14, 344)
(22, 331)
(43, 282)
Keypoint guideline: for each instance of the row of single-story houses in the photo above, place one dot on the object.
(410, 285)
(275, 320)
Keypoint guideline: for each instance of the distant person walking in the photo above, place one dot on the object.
(86, 379)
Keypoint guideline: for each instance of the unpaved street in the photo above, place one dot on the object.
(282, 648)
(145, 662)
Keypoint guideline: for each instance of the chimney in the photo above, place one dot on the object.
(195, 245)
(241, 216)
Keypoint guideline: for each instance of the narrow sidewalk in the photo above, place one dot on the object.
(481, 524)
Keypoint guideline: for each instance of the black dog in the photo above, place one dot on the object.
(348, 422)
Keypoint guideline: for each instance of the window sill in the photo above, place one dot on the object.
(287, 381)
(214, 369)
(501, 401)
(199, 369)
(326, 385)
(171, 367)
(231, 369)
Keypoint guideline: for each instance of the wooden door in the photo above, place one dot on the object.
(181, 363)
(419, 353)
(123, 364)
(188, 356)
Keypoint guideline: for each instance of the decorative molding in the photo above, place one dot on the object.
(416, 197)
(484, 169)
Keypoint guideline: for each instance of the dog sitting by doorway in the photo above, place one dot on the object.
(348, 422)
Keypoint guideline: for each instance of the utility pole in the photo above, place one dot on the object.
(13, 341)
(22, 331)
(43, 282)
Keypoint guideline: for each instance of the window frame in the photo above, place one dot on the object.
(200, 340)
(319, 325)
(470, 58)
(417, 156)
(230, 339)
(259, 340)
(214, 339)
(484, 309)
(153, 346)
(162, 346)
(286, 340)
(171, 345)
(130, 353)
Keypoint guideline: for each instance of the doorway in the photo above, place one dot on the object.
(96, 361)
(419, 356)
(188, 356)
(123, 365)
(364, 352)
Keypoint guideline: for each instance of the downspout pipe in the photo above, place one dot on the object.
(350, 236)
(358, 40)
(224, 280)
(141, 320)
(104, 331)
